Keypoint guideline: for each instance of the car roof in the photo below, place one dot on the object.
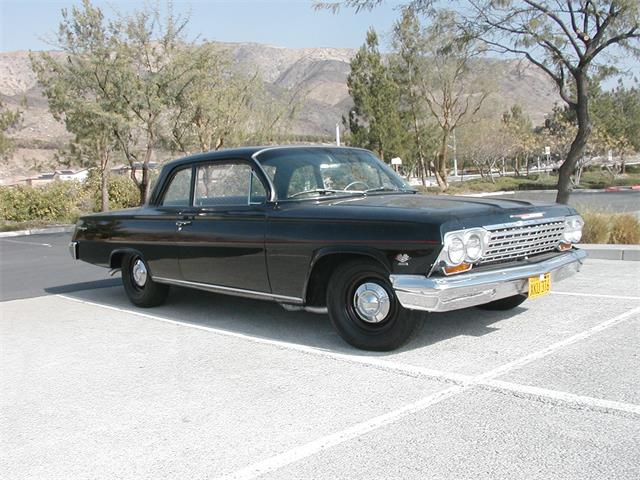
(243, 153)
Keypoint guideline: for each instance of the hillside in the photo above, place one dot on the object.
(321, 72)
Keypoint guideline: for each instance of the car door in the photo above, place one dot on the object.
(224, 243)
(157, 231)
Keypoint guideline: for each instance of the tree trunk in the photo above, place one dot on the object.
(441, 162)
(104, 189)
(578, 145)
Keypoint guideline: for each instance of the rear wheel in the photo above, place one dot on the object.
(504, 303)
(138, 285)
(364, 310)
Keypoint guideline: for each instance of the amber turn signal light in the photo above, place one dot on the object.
(463, 267)
(563, 247)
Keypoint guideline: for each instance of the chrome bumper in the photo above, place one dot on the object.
(442, 294)
(73, 250)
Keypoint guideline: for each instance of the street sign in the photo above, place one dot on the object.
(396, 161)
(547, 150)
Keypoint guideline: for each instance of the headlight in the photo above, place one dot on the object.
(573, 229)
(474, 247)
(464, 246)
(455, 251)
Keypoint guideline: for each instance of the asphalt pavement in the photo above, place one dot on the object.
(36, 265)
(208, 386)
(615, 202)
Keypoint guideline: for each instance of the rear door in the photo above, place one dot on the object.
(223, 244)
(157, 234)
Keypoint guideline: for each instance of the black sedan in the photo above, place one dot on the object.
(329, 229)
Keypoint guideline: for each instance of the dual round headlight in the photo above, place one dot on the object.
(573, 229)
(466, 245)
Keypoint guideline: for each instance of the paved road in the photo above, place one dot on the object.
(623, 201)
(209, 386)
(40, 265)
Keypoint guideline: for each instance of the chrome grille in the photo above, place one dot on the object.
(522, 239)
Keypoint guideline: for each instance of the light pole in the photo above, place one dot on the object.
(337, 134)
(454, 148)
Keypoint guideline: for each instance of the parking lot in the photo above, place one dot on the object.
(208, 386)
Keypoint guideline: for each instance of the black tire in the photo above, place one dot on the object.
(396, 328)
(504, 303)
(150, 294)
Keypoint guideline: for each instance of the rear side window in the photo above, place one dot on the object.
(227, 184)
(178, 191)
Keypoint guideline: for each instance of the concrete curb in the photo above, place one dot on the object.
(611, 252)
(38, 231)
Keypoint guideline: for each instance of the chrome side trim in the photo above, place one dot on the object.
(239, 292)
(442, 294)
(73, 250)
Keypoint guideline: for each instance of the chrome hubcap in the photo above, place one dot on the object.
(371, 302)
(139, 272)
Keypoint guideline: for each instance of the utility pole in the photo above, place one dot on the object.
(338, 134)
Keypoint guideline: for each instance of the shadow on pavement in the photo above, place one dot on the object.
(270, 321)
(74, 287)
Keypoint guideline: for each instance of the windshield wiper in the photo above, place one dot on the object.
(322, 191)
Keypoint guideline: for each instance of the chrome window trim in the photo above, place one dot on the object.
(240, 292)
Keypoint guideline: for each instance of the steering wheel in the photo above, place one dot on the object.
(356, 183)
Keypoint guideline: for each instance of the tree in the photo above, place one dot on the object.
(451, 97)
(374, 121)
(570, 41)
(518, 130)
(8, 120)
(616, 119)
(409, 64)
(149, 43)
(77, 88)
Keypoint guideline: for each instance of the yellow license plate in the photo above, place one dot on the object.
(540, 285)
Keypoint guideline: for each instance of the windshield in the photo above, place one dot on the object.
(299, 173)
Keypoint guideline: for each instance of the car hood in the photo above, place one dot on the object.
(469, 211)
(436, 202)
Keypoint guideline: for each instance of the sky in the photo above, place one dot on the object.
(26, 24)
(286, 23)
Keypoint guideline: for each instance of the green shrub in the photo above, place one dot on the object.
(123, 192)
(55, 202)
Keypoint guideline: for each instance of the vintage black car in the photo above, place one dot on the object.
(329, 229)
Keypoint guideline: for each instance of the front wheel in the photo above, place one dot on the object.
(364, 310)
(138, 285)
(504, 303)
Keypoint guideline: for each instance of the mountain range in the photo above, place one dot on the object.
(320, 72)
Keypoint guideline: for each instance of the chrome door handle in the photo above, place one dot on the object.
(182, 223)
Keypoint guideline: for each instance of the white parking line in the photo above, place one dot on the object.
(558, 345)
(462, 383)
(308, 449)
(597, 295)
(26, 243)
(569, 399)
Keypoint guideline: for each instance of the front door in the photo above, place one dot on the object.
(223, 245)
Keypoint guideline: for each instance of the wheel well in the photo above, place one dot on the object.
(116, 259)
(316, 293)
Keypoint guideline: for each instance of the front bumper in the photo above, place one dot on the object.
(442, 294)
